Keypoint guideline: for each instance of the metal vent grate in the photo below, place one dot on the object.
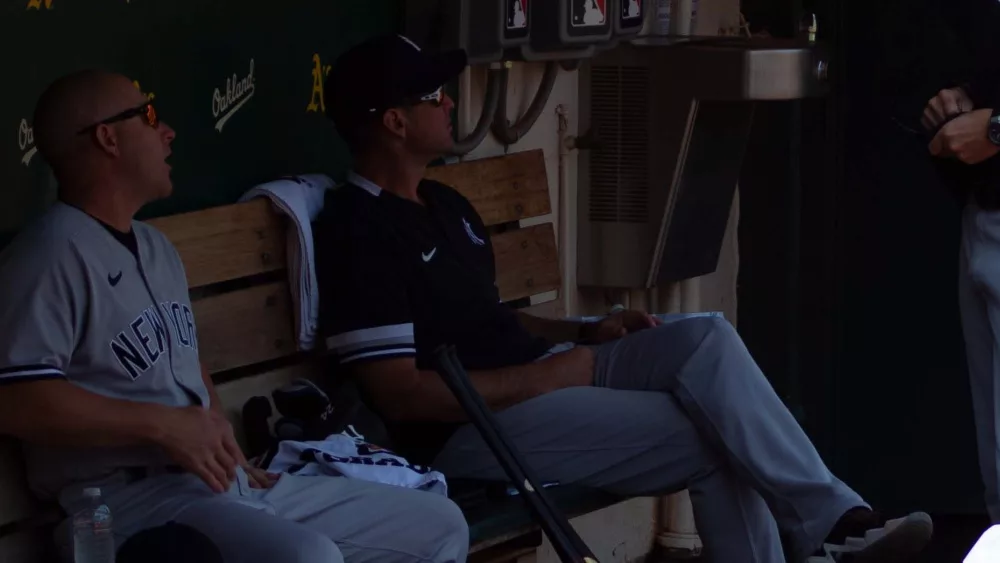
(619, 169)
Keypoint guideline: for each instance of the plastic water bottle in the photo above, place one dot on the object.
(93, 540)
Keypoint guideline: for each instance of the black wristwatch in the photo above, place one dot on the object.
(993, 131)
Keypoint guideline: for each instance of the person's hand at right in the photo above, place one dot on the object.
(946, 104)
(617, 325)
(202, 442)
(965, 138)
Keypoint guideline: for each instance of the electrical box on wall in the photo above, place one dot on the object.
(483, 28)
(628, 19)
(576, 29)
(566, 24)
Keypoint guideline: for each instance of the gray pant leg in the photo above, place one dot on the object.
(703, 363)
(634, 443)
(300, 519)
(248, 535)
(979, 304)
(373, 522)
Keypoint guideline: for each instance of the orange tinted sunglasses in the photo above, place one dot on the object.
(146, 110)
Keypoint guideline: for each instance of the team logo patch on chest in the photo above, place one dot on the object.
(472, 235)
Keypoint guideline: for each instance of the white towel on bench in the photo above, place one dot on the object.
(301, 199)
(348, 455)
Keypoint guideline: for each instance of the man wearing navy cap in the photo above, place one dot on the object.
(405, 265)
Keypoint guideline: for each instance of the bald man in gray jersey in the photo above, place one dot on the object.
(100, 375)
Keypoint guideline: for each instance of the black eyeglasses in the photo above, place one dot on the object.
(146, 110)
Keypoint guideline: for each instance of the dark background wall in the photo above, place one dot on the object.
(181, 52)
(848, 256)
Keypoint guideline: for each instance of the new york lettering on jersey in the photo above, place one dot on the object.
(140, 346)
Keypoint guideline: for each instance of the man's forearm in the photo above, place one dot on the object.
(553, 330)
(59, 413)
(500, 388)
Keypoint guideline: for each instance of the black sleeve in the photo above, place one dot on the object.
(364, 298)
(975, 23)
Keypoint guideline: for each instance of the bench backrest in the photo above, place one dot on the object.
(235, 259)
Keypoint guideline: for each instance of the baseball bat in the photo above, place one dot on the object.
(566, 542)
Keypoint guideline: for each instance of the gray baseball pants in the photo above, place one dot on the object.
(979, 304)
(299, 520)
(679, 406)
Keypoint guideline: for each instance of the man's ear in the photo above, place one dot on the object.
(395, 121)
(107, 139)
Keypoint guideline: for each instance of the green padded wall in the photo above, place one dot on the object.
(235, 79)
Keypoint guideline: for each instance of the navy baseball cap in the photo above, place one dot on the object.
(382, 73)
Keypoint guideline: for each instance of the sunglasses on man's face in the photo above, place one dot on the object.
(435, 98)
(146, 110)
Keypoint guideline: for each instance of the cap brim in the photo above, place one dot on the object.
(444, 67)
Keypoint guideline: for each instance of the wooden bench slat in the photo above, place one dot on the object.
(503, 188)
(527, 262)
(227, 242)
(245, 327)
(553, 309)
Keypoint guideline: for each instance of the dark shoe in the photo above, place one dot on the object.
(861, 536)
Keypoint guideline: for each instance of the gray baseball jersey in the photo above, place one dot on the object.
(77, 305)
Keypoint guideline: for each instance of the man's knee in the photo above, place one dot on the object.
(435, 529)
(457, 537)
(707, 338)
(452, 543)
(312, 547)
(711, 331)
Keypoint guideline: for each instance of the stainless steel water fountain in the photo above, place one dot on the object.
(668, 126)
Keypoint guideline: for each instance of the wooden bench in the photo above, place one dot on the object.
(236, 267)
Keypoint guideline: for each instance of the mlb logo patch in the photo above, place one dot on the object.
(631, 9)
(517, 14)
(589, 13)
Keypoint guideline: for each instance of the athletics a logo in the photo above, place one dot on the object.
(319, 74)
(230, 99)
(149, 95)
(26, 142)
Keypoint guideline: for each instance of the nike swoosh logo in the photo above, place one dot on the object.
(427, 257)
(113, 280)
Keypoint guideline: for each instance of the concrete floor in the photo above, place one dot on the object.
(954, 536)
